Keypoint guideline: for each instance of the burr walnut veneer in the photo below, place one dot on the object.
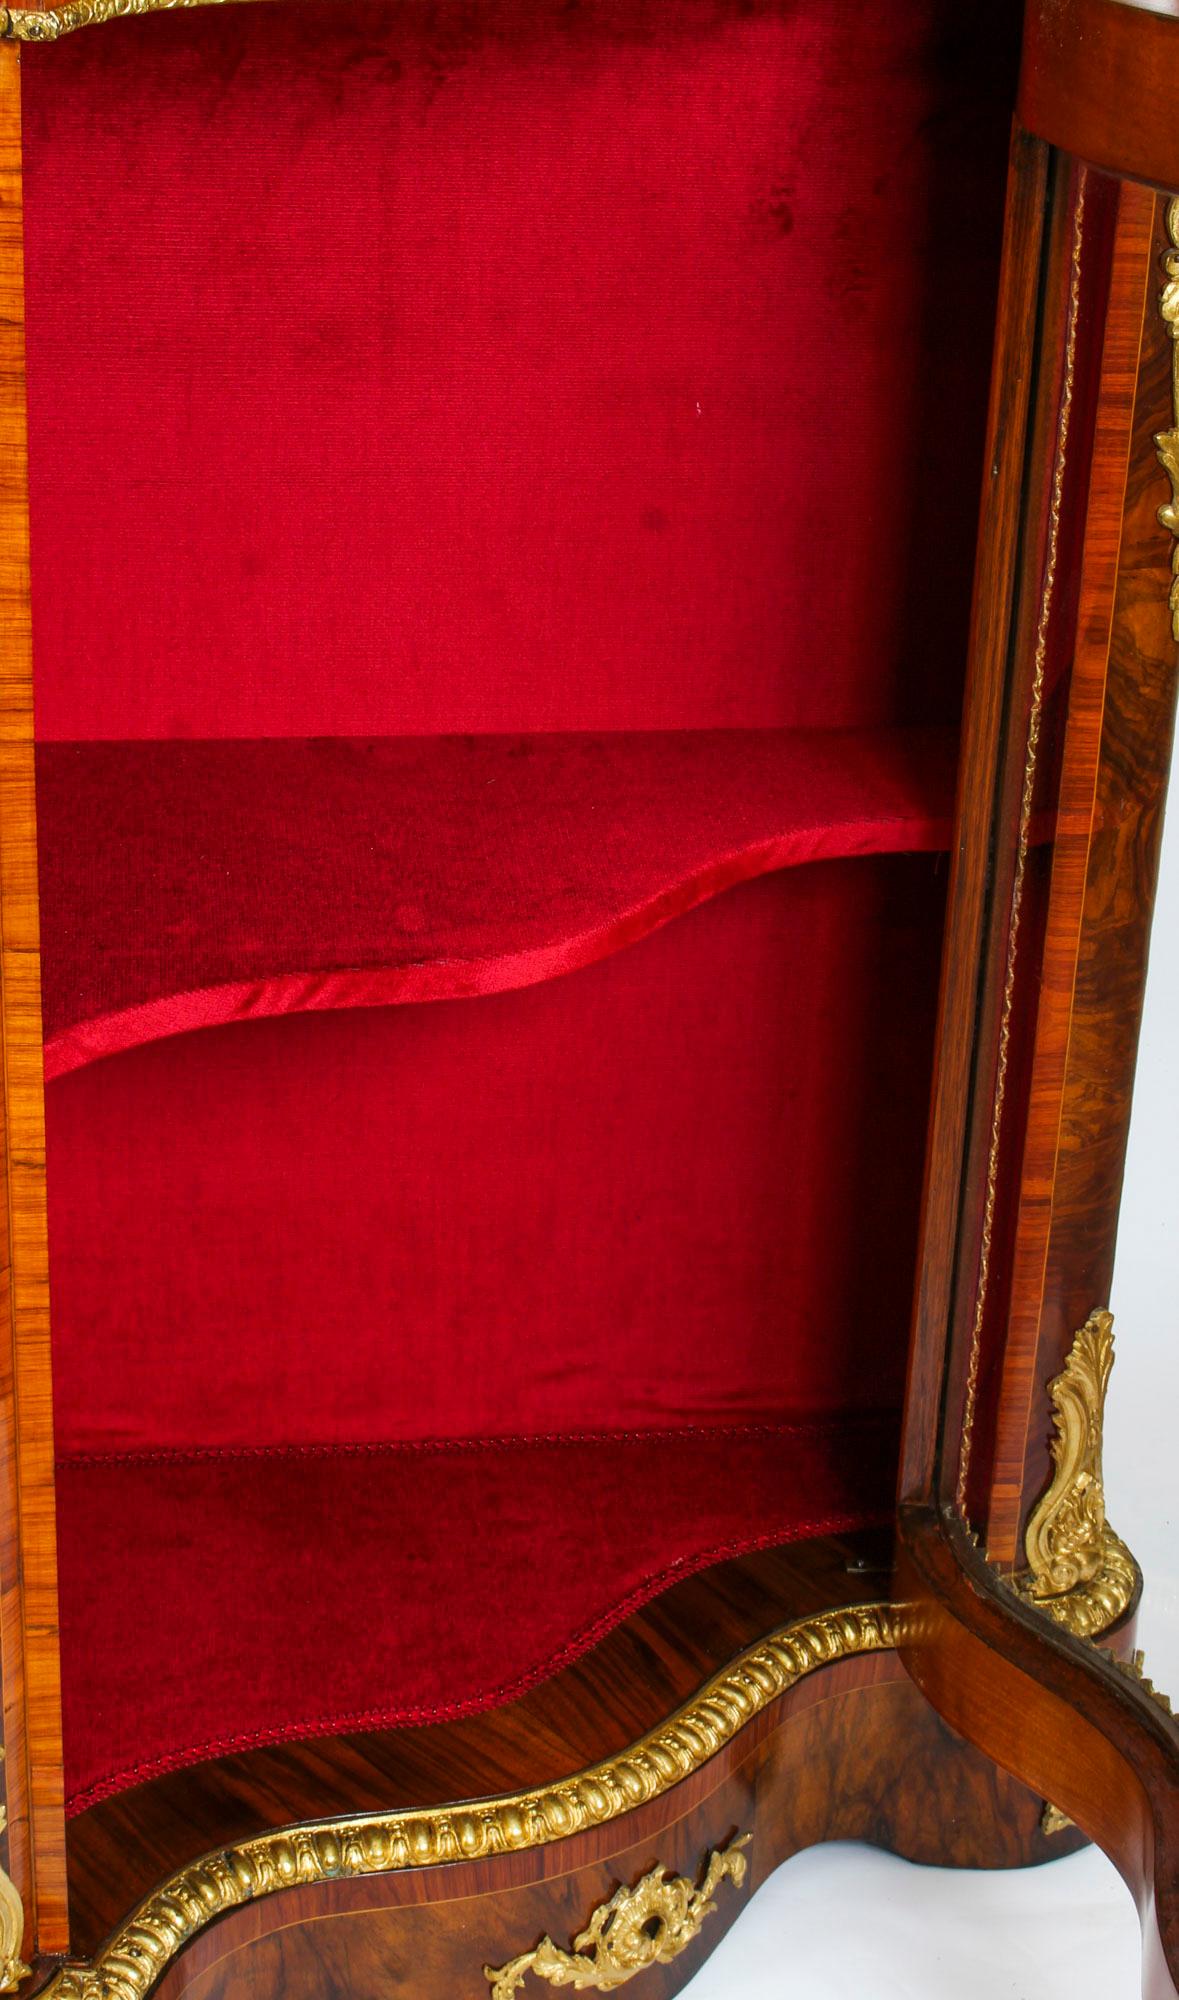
(568, 1005)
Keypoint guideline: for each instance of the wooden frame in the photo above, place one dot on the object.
(28, 1580)
(1042, 1702)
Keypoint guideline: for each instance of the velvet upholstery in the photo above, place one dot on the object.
(615, 1201)
(512, 523)
(188, 884)
(509, 367)
(617, 1198)
(300, 1592)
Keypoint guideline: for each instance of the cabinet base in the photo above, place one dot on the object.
(803, 1731)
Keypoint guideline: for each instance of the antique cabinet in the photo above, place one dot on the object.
(568, 1007)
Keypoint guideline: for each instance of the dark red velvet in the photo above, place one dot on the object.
(189, 884)
(217, 1602)
(647, 1194)
(521, 366)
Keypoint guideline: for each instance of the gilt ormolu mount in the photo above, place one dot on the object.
(1078, 1570)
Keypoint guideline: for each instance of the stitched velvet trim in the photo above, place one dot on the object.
(309, 1593)
(645, 1195)
(187, 885)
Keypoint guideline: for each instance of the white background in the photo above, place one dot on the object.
(853, 1924)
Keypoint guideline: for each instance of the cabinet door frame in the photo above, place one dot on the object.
(1004, 1656)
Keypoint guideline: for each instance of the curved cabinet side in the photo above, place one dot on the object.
(854, 1752)
(1056, 1711)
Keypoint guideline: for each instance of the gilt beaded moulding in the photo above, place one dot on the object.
(139, 1952)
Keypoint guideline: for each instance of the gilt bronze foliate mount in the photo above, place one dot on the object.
(1167, 442)
(1078, 1570)
(649, 1924)
(12, 1924)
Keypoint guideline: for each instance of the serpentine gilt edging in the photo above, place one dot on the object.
(35, 24)
(377, 1843)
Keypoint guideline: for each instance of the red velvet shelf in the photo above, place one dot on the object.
(199, 882)
(303, 1592)
(187, 884)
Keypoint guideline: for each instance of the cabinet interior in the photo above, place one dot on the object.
(503, 483)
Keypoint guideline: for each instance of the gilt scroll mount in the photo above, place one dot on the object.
(1167, 442)
(12, 1925)
(649, 1924)
(1078, 1571)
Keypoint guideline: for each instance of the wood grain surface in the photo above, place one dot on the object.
(1098, 81)
(983, 858)
(1108, 824)
(1054, 1709)
(851, 1751)
(28, 1571)
(869, 1763)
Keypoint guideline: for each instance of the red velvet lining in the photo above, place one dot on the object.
(264, 1597)
(647, 1194)
(189, 884)
(520, 366)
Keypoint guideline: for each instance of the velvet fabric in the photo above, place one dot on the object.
(393, 1312)
(648, 1194)
(501, 478)
(272, 1595)
(188, 884)
(510, 367)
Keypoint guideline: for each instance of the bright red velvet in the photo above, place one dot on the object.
(189, 884)
(404, 372)
(647, 1194)
(295, 1593)
(510, 367)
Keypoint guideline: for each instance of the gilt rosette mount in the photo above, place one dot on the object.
(650, 1924)
(1078, 1570)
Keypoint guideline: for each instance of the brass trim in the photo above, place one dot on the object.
(650, 1924)
(1065, 1543)
(1167, 442)
(1031, 759)
(143, 1947)
(1053, 1820)
(1135, 1670)
(30, 24)
(1093, 1608)
(1078, 1570)
(12, 1923)
(12, 1929)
